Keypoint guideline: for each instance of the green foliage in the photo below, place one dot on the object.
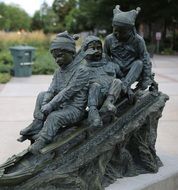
(76, 21)
(5, 58)
(62, 8)
(97, 14)
(5, 66)
(37, 23)
(168, 51)
(13, 18)
(4, 77)
(44, 63)
(47, 21)
(51, 22)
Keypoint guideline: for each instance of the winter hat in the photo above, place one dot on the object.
(64, 41)
(121, 18)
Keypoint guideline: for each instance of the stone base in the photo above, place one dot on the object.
(165, 179)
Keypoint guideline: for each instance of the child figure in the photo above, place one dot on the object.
(127, 49)
(65, 101)
(104, 88)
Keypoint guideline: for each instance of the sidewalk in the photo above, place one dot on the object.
(17, 100)
(166, 72)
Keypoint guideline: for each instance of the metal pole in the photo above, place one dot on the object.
(157, 47)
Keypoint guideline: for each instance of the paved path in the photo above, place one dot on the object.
(17, 100)
(166, 70)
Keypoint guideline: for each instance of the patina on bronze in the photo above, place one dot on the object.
(65, 153)
(104, 88)
(65, 101)
(126, 48)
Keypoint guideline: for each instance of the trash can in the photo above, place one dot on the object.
(23, 57)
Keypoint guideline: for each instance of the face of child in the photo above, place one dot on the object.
(62, 57)
(122, 33)
(96, 48)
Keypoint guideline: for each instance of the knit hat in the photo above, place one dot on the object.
(64, 41)
(88, 40)
(121, 18)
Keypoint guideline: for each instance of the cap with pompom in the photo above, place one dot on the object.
(121, 18)
(64, 41)
(90, 39)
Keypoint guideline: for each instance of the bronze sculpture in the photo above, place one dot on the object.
(65, 101)
(71, 157)
(104, 88)
(126, 48)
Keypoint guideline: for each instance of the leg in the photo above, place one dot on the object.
(39, 118)
(54, 121)
(134, 72)
(93, 103)
(93, 95)
(113, 95)
(37, 112)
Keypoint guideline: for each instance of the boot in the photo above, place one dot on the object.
(108, 105)
(33, 128)
(37, 146)
(94, 118)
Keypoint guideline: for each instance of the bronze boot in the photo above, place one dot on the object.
(108, 105)
(37, 146)
(33, 128)
(94, 118)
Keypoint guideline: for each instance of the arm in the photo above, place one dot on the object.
(144, 57)
(75, 86)
(51, 90)
(106, 47)
(108, 50)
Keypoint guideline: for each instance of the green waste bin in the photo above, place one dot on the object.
(23, 57)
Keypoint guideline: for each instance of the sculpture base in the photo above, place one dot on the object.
(124, 147)
(166, 178)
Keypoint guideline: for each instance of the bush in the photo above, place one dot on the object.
(168, 51)
(4, 77)
(5, 66)
(5, 57)
(44, 63)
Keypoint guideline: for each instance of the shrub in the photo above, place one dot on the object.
(168, 51)
(5, 68)
(44, 63)
(5, 57)
(4, 77)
